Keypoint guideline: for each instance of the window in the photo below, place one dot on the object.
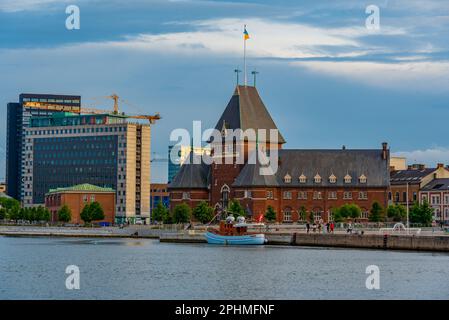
(270, 194)
(317, 195)
(85, 198)
(363, 195)
(362, 179)
(92, 198)
(287, 215)
(404, 196)
(248, 194)
(225, 196)
(287, 178)
(332, 195)
(302, 195)
(347, 178)
(185, 195)
(287, 194)
(347, 195)
(302, 178)
(396, 197)
(435, 199)
(317, 178)
(332, 179)
(415, 197)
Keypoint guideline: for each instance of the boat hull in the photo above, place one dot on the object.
(250, 239)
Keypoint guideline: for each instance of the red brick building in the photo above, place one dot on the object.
(318, 180)
(77, 197)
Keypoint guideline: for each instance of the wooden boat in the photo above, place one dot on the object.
(235, 234)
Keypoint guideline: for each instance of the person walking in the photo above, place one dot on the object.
(308, 227)
(314, 227)
(332, 227)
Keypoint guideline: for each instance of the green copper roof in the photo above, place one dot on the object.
(82, 187)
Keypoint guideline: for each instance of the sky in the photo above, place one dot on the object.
(326, 78)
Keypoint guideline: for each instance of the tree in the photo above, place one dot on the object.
(349, 211)
(303, 213)
(96, 211)
(203, 212)
(3, 213)
(311, 217)
(376, 212)
(64, 214)
(337, 215)
(270, 215)
(160, 213)
(92, 212)
(236, 209)
(396, 212)
(181, 213)
(421, 213)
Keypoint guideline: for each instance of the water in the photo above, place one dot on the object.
(34, 268)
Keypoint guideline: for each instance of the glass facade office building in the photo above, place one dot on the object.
(18, 119)
(103, 150)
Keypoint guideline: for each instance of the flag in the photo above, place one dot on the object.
(245, 34)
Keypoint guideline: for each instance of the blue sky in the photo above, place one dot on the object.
(327, 80)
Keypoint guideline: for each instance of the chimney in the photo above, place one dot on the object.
(440, 165)
(384, 150)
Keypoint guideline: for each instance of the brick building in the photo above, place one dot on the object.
(436, 193)
(319, 180)
(412, 180)
(77, 197)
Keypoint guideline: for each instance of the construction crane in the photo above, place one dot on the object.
(151, 118)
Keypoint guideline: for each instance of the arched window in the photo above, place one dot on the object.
(287, 214)
(225, 196)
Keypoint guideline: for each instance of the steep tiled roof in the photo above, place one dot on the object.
(191, 176)
(309, 163)
(82, 187)
(246, 110)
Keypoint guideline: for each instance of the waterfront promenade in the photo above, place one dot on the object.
(427, 240)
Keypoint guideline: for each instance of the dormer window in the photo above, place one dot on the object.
(348, 178)
(287, 178)
(317, 178)
(332, 179)
(362, 179)
(302, 178)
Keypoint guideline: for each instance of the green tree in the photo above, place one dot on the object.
(160, 213)
(96, 211)
(46, 215)
(349, 210)
(236, 209)
(64, 214)
(303, 213)
(421, 213)
(336, 215)
(203, 212)
(376, 212)
(181, 213)
(14, 214)
(270, 215)
(3, 213)
(85, 214)
(9, 203)
(311, 217)
(396, 212)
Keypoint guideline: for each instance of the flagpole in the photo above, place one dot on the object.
(244, 57)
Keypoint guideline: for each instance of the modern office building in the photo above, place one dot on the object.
(18, 119)
(105, 150)
(177, 156)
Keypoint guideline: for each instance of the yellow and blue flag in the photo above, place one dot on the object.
(245, 34)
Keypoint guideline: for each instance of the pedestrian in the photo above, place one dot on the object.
(350, 228)
(332, 227)
(328, 226)
(314, 227)
(319, 227)
(308, 227)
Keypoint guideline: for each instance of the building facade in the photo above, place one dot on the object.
(405, 185)
(436, 193)
(177, 156)
(77, 197)
(314, 181)
(159, 194)
(2, 187)
(18, 119)
(99, 149)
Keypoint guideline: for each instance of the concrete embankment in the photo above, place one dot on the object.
(367, 241)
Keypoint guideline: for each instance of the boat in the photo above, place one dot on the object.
(230, 233)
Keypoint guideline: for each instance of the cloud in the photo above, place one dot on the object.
(430, 156)
(423, 75)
